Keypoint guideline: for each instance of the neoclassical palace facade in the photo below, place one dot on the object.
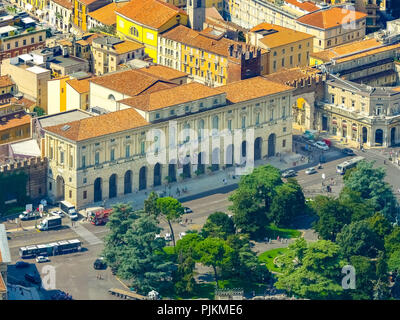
(367, 115)
(107, 156)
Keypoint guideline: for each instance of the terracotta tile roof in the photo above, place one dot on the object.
(80, 85)
(171, 97)
(282, 37)
(65, 42)
(87, 38)
(127, 46)
(24, 101)
(106, 15)
(252, 88)
(6, 81)
(195, 39)
(395, 47)
(97, 126)
(288, 75)
(330, 18)
(327, 55)
(14, 120)
(163, 72)
(129, 82)
(304, 5)
(153, 13)
(64, 3)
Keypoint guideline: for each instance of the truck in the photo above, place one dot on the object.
(49, 223)
(27, 215)
(69, 210)
(100, 216)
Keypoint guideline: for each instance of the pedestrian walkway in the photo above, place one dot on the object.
(198, 185)
(86, 234)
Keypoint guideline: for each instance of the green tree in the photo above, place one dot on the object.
(218, 225)
(215, 253)
(314, 275)
(332, 216)
(39, 111)
(365, 278)
(171, 209)
(380, 224)
(357, 238)
(394, 261)
(392, 241)
(360, 208)
(288, 203)
(369, 182)
(142, 258)
(119, 222)
(150, 204)
(252, 200)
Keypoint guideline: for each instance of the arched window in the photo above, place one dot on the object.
(111, 97)
(134, 32)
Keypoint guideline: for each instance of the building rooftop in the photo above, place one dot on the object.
(80, 85)
(127, 46)
(131, 82)
(37, 69)
(327, 55)
(13, 120)
(26, 148)
(252, 88)
(66, 62)
(276, 36)
(331, 18)
(199, 40)
(106, 15)
(170, 97)
(369, 52)
(163, 72)
(152, 13)
(285, 76)
(303, 5)
(62, 117)
(101, 125)
(64, 3)
(88, 2)
(7, 29)
(6, 81)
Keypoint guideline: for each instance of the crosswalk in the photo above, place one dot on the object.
(86, 234)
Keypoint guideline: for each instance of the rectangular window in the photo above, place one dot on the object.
(230, 125)
(258, 119)
(112, 155)
(243, 122)
(97, 158)
(84, 194)
(127, 151)
(142, 147)
(83, 161)
(283, 143)
(61, 156)
(70, 194)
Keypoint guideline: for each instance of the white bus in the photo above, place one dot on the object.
(69, 209)
(341, 168)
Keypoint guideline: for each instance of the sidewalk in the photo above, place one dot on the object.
(198, 185)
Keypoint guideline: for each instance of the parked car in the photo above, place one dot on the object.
(41, 259)
(100, 264)
(321, 145)
(288, 173)
(348, 151)
(58, 213)
(187, 210)
(167, 237)
(33, 278)
(311, 170)
(22, 264)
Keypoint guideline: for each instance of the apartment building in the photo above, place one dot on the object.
(30, 79)
(286, 48)
(16, 40)
(15, 123)
(7, 89)
(333, 27)
(61, 14)
(144, 20)
(105, 16)
(110, 52)
(209, 57)
(104, 157)
(360, 113)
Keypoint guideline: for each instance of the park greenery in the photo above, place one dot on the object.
(356, 228)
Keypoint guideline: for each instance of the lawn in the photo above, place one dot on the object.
(273, 232)
(268, 257)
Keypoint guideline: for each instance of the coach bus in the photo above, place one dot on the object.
(50, 249)
(341, 168)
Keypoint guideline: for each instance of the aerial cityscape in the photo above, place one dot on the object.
(226, 150)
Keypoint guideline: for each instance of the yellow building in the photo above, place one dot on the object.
(15, 123)
(218, 4)
(78, 94)
(81, 10)
(286, 48)
(144, 20)
(208, 56)
(57, 95)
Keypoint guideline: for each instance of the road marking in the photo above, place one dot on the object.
(86, 234)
